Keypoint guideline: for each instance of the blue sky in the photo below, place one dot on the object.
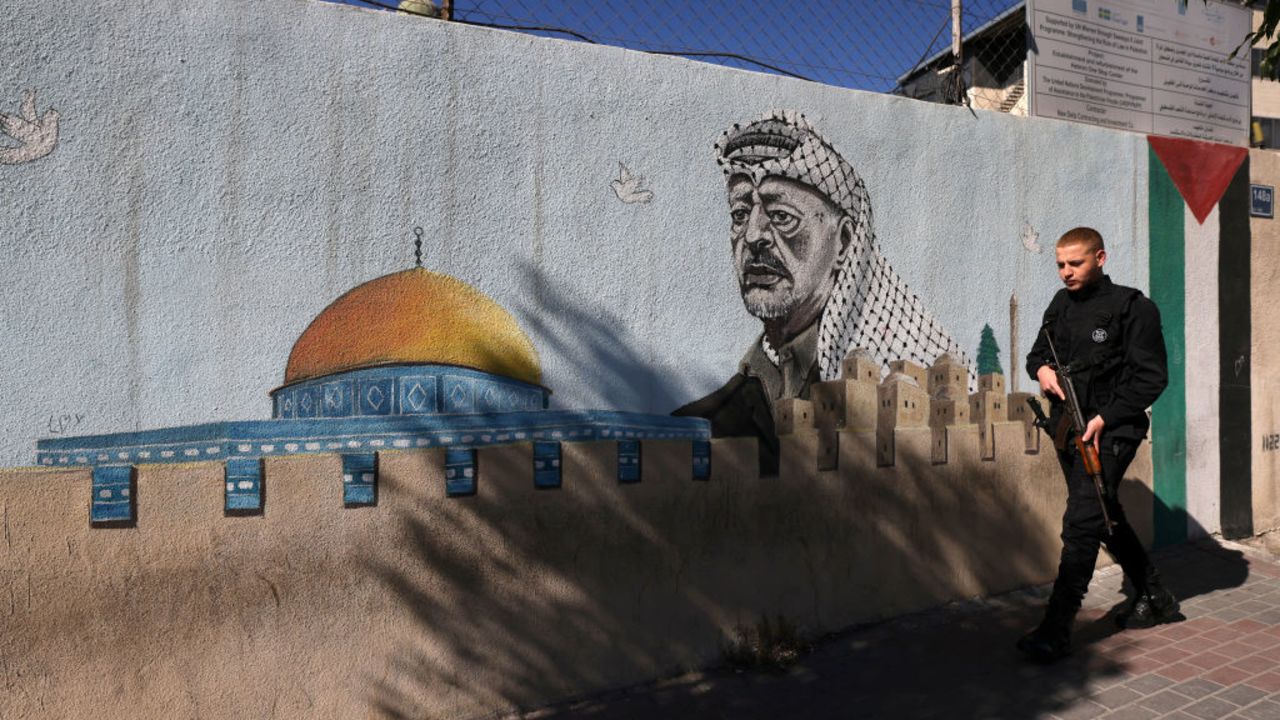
(862, 44)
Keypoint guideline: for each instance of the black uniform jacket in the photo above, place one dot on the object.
(1109, 335)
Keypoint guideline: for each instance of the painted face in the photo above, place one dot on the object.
(1077, 266)
(786, 238)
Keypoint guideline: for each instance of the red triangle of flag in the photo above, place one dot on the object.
(1200, 170)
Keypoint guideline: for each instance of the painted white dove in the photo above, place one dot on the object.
(1030, 238)
(38, 135)
(627, 187)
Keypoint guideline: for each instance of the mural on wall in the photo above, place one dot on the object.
(804, 250)
(36, 135)
(413, 359)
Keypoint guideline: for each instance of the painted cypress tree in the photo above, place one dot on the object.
(988, 353)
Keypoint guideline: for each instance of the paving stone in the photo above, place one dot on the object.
(1210, 708)
(1165, 701)
(1197, 644)
(1179, 672)
(1227, 676)
(1265, 710)
(1231, 614)
(1115, 697)
(1197, 688)
(1170, 654)
(1226, 633)
(1269, 617)
(1179, 631)
(1241, 695)
(1148, 684)
(1132, 712)
(1268, 681)
(1254, 664)
(1236, 649)
(1208, 660)
(1259, 640)
(1144, 665)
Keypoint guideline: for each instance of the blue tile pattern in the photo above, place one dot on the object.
(112, 494)
(546, 464)
(628, 461)
(337, 398)
(459, 472)
(377, 396)
(459, 395)
(406, 390)
(360, 479)
(418, 395)
(270, 438)
(701, 460)
(307, 402)
(244, 484)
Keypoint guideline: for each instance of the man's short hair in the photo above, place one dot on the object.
(1090, 238)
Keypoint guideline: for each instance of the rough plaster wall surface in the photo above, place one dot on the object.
(427, 606)
(1264, 282)
(1203, 380)
(226, 169)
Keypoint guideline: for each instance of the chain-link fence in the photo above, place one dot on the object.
(904, 47)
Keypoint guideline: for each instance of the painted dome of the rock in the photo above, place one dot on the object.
(413, 316)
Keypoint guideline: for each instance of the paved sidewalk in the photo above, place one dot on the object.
(959, 661)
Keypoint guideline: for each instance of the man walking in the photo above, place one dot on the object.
(1109, 337)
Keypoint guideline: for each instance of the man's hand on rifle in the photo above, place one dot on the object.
(1093, 431)
(1048, 378)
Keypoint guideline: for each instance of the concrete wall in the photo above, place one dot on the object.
(222, 170)
(225, 169)
(427, 606)
(1264, 281)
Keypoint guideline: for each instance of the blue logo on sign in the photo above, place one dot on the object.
(1139, 23)
(1262, 201)
(1080, 6)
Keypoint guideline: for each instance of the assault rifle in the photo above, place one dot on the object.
(1088, 454)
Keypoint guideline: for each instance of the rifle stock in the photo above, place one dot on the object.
(1088, 453)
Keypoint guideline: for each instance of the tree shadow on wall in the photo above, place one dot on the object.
(514, 597)
(956, 661)
(597, 343)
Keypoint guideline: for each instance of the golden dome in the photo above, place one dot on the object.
(413, 316)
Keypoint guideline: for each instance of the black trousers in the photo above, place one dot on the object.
(1083, 528)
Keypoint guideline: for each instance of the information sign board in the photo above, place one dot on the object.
(1151, 66)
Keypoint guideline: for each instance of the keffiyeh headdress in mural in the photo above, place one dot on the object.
(870, 306)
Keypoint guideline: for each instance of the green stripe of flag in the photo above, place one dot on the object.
(1169, 414)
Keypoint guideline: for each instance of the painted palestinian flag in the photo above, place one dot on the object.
(1198, 205)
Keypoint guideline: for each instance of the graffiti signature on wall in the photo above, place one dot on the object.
(37, 135)
(1271, 443)
(59, 424)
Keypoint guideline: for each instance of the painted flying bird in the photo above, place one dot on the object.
(627, 187)
(1030, 238)
(38, 135)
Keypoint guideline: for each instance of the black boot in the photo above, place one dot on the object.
(1051, 640)
(1154, 605)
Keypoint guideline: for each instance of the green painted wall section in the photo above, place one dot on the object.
(1169, 414)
